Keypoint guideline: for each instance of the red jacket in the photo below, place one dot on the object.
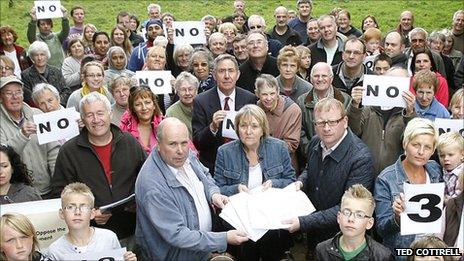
(21, 55)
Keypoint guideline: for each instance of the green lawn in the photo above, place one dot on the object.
(430, 14)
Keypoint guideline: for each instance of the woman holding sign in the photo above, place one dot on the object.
(414, 167)
(255, 160)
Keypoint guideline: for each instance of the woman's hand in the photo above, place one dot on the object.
(398, 207)
(267, 184)
(243, 188)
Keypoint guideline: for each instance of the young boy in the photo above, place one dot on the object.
(354, 218)
(450, 149)
(77, 202)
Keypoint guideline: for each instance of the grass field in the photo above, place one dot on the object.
(430, 14)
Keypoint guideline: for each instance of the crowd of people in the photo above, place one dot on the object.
(297, 88)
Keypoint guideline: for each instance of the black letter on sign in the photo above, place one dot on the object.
(230, 124)
(395, 91)
(179, 32)
(375, 91)
(63, 123)
(143, 82)
(106, 259)
(159, 82)
(194, 32)
(431, 206)
(44, 127)
(52, 8)
(40, 9)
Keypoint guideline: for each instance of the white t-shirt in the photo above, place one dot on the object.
(255, 176)
(102, 239)
(330, 51)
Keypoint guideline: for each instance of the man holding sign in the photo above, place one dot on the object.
(381, 127)
(414, 167)
(18, 130)
(41, 15)
(210, 108)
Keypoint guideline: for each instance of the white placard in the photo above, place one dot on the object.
(57, 125)
(192, 32)
(228, 128)
(43, 214)
(448, 125)
(158, 81)
(369, 61)
(48, 9)
(424, 204)
(113, 254)
(384, 90)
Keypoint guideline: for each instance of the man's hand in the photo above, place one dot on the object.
(235, 237)
(32, 14)
(28, 128)
(129, 256)
(64, 11)
(298, 185)
(218, 117)
(356, 95)
(294, 224)
(410, 100)
(102, 218)
(398, 207)
(220, 200)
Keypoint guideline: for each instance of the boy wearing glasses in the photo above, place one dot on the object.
(77, 209)
(354, 218)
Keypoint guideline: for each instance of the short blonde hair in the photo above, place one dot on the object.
(457, 97)
(359, 192)
(288, 53)
(328, 103)
(420, 126)
(226, 26)
(425, 76)
(21, 224)
(267, 79)
(77, 188)
(450, 139)
(252, 111)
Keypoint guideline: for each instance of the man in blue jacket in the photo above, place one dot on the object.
(337, 160)
(173, 193)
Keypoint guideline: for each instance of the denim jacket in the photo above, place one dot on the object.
(232, 166)
(167, 219)
(388, 185)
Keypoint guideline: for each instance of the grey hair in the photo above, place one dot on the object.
(319, 64)
(223, 57)
(437, 35)
(208, 17)
(161, 126)
(417, 30)
(39, 46)
(258, 17)
(217, 34)
(186, 77)
(322, 17)
(153, 6)
(458, 12)
(41, 87)
(92, 98)
(265, 79)
(201, 52)
(179, 49)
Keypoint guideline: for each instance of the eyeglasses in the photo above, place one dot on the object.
(7, 68)
(256, 27)
(184, 90)
(331, 123)
(10, 95)
(82, 208)
(94, 75)
(253, 43)
(357, 215)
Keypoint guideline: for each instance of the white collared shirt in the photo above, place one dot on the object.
(187, 177)
(326, 151)
(222, 98)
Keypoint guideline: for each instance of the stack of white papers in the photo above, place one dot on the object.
(258, 211)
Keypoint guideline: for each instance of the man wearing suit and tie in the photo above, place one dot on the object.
(210, 108)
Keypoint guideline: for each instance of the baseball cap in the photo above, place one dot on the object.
(9, 79)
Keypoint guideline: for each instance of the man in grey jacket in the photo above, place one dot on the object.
(18, 131)
(173, 193)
